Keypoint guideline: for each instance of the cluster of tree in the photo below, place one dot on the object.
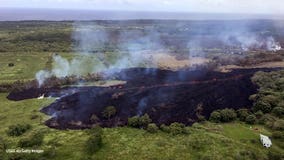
(174, 128)
(145, 122)
(94, 142)
(224, 115)
(268, 106)
(139, 121)
(18, 129)
(269, 99)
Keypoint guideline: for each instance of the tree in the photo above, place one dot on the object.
(251, 119)
(228, 115)
(134, 121)
(258, 114)
(278, 135)
(278, 111)
(138, 122)
(278, 125)
(242, 114)
(145, 120)
(109, 112)
(152, 128)
(18, 129)
(177, 128)
(262, 106)
(165, 128)
(215, 116)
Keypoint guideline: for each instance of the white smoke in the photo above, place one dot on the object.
(272, 45)
(249, 41)
(42, 75)
(129, 44)
(90, 42)
(61, 67)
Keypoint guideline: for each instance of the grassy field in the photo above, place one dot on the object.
(204, 141)
(29, 46)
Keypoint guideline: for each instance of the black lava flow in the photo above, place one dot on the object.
(166, 96)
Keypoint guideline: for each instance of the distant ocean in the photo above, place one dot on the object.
(13, 14)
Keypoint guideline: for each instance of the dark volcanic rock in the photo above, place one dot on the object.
(167, 96)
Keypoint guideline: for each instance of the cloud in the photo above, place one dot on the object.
(209, 6)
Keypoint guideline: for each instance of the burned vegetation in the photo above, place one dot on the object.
(166, 96)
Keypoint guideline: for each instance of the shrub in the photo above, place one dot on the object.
(251, 119)
(242, 114)
(109, 112)
(228, 115)
(134, 121)
(11, 64)
(262, 106)
(18, 129)
(201, 118)
(33, 140)
(94, 142)
(278, 124)
(152, 128)
(165, 128)
(177, 128)
(274, 155)
(267, 118)
(145, 120)
(270, 99)
(258, 114)
(215, 116)
(278, 111)
(278, 135)
(138, 122)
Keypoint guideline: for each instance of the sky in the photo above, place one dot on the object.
(200, 6)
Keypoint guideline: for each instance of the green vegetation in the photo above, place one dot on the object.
(18, 129)
(139, 122)
(152, 128)
(108, 112)
(177, 128)
(242, 114)
(205, 140)
(94, 143)
(251, 119)
(26, 47)
(35, 139)
(224, 115)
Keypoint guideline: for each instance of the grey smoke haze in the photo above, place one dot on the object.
(131, 43)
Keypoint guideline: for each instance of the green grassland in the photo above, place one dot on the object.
(204, 141)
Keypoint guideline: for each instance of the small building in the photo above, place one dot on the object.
(265, 140)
